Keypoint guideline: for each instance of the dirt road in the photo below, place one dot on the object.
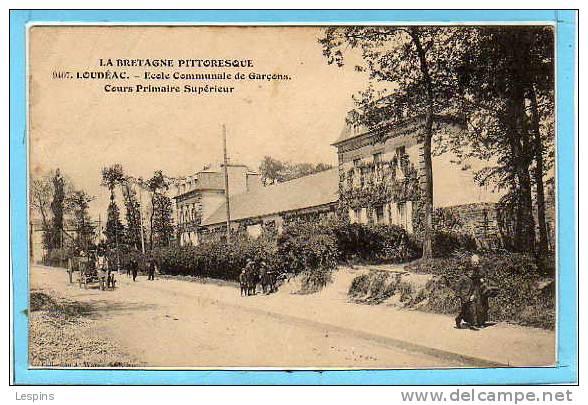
(169, 323)
(177, 323)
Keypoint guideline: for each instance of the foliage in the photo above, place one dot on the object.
(163, 224)
(308, 248)
(132, 215)
(115, 230)
(79, 203)
(373, 243)
(58, 257)
(300, 250)
(409, 72)
(506, 84)
(526, 293)
(377, 184)
(216, 259)
(158, 185)
(41, 193)
(112, 176)
(277, 171)
(57, 210)
(446, 243)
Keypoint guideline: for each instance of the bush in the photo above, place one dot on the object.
(308, 248)
(215, 259)
(368, 243)
(377, 286)
(447, 243)
(525, 296)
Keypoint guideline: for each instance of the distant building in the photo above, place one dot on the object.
(313, 196)
(377, 181)
(199, 195)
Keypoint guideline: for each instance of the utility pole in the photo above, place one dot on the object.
(227, 200)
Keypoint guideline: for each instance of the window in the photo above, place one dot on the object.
(356, 162)
(401, 207)
(402, 159)
(377, 158)
(357, 212)
(379, 214)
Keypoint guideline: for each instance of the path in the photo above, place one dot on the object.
(177, 323)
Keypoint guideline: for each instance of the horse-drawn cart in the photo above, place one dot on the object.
(90, 276)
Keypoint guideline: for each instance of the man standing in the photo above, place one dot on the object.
(133, 265)
(151, 275)
(243, 282)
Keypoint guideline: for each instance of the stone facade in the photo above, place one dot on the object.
(199, 195)
(480, 220)
(379, 173)
(382, 173)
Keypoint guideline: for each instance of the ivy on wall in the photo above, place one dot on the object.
(372, 184)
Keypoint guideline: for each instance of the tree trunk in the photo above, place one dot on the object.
(427, 186)
(518, 138)
(151, 221)
(543, 247)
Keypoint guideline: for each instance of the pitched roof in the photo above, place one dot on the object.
(351, 131)
(304, 192)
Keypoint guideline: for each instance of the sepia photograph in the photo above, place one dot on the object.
(292, 197)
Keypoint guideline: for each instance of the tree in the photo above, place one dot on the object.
(409, 72)
(57, 209)
(277, 171)
(112, 176)
(132, 214)
(163, 228)
(79, 204)
(499, 76)
(41, 194)
(540, 93)
(271, 170)
(158, 185)
(114, 232)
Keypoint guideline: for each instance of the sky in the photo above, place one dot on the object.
(76, 126)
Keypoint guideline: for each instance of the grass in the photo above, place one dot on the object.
(526, 294)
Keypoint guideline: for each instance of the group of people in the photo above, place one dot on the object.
(104, 268)
(253, 274)
(133, 268)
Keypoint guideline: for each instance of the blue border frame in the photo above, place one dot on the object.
(565, 372)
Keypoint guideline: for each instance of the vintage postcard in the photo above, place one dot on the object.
(325, 197)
